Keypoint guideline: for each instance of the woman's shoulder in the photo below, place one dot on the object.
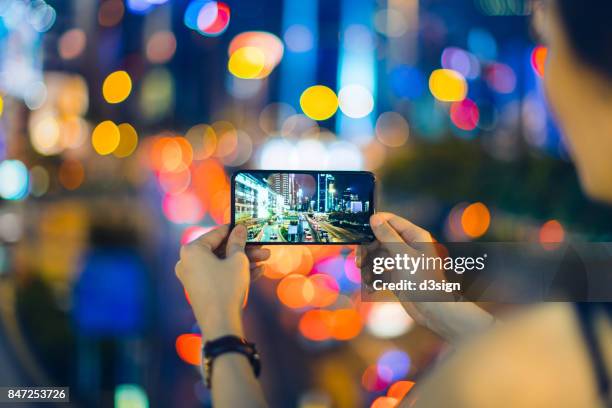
(536, 358)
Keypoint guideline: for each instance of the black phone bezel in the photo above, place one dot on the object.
(345, 172)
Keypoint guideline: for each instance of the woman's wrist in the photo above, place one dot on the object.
(216, 325)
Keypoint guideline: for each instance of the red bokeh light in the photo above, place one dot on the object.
(189, 348)
(465, 114)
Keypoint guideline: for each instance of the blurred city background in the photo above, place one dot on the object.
(122, 121)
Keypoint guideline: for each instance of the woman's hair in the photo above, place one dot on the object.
(588, 24)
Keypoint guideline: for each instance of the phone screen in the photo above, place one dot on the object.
(304, 207)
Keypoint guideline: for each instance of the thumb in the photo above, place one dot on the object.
(383, 231)
(236, 241)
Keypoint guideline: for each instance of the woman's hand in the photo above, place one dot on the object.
(451, 320)
(216, 273)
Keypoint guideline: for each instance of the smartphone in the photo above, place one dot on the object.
(289, 207)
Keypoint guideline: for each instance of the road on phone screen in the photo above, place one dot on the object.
(270, 233)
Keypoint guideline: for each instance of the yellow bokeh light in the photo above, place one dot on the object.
(105, 137)
(128, 140)
(1, 105)
(246, 62)
(319, 102)
(447, 85)
(117, 87)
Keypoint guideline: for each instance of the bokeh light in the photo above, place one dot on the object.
(551, 232)
(45, 135)
(387, 320)
(183, 208)
(385, 402)
(128, 141)
(212, 19)
(110, 13)
(371, 381)
(315, 324)
(325, 290)
(203, 140)
(295, 291)
(500, 78)
(391, 22)
(461, 61)
(71, 174)
(105, 137)
(447, 85)
(176, 181)
(189, 348)
(14, 178)
(355, 101)
(475, 220)
(393, 365)
(258, 44)
(161, 46)
(298, 38)
(538, 59)
(392, 129)
(319, 102)
(72, 43)
(465, 114)
(117, 87)
(130, 396)
(39, 181)
(246, 62)
(399, 389)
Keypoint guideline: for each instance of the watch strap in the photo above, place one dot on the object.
(228, 344)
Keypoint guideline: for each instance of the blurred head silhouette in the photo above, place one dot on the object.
(578, 82)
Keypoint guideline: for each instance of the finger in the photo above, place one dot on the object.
(258, 254)
(360, 254)
(383, 231)
(257, 272)
(406, 229)
(178, 269)
(214, 238)
(388, 237)
(236, 241)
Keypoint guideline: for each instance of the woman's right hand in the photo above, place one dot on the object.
(451, 320)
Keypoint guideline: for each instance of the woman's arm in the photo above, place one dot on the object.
(233, 381)
(217, 277)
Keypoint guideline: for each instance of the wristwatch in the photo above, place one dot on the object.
(228, 344)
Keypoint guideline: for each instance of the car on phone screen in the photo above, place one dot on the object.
(273, 237)
(308, 236)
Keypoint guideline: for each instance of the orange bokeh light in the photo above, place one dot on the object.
(551, 234)
(325, 290)
(189, 348)
(288, 259)
(71, 174)
(399, 389)
(385, 402)
(538, 59)
(475, 220)
(316, 324)
(295, 291)
(346, 324)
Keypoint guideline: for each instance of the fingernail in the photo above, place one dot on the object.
(375, 221)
